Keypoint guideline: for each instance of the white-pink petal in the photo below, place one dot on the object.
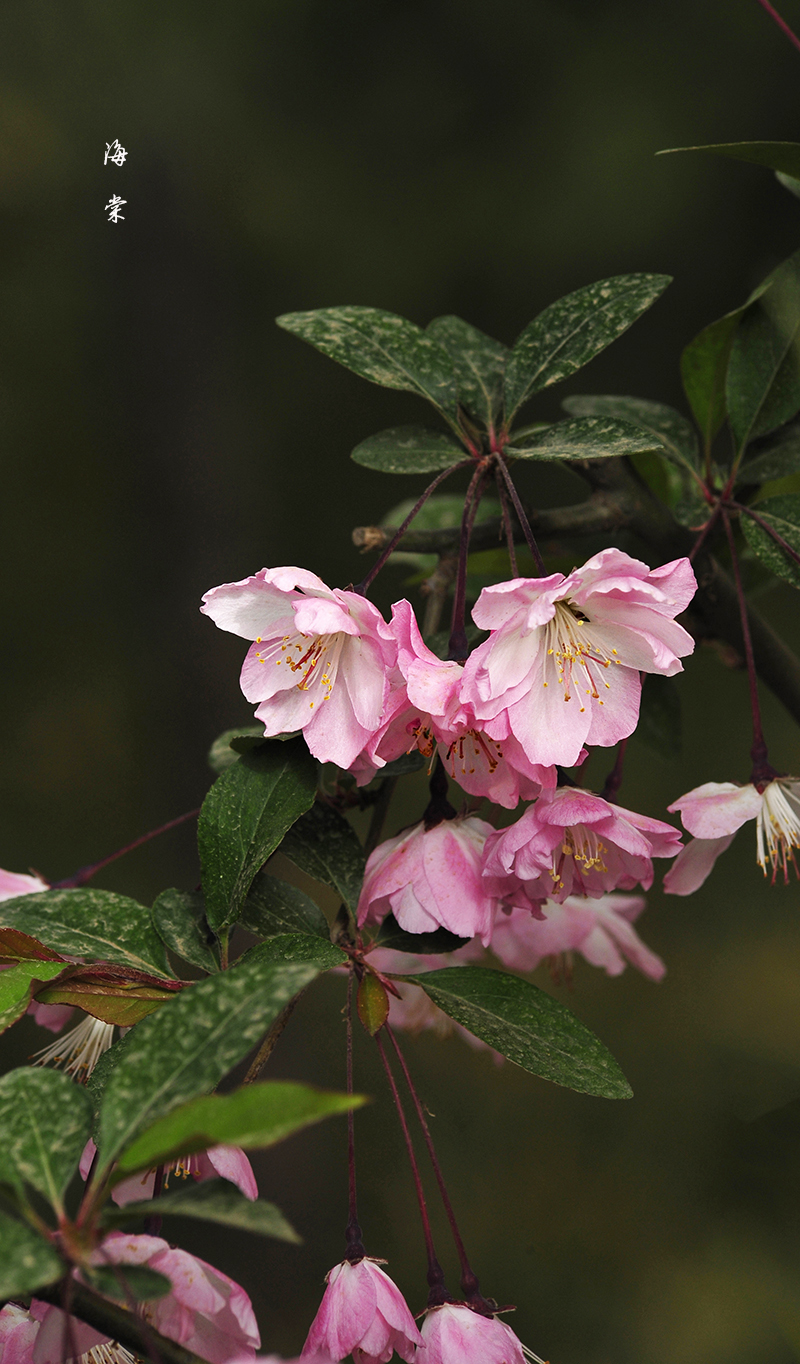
(717, 808)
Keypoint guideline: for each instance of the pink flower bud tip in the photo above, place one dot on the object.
(362, 1313)
(454, 1334)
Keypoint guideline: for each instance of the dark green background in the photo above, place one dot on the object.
(160, 436)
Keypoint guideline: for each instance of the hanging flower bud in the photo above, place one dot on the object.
(362, 1313)
(454, 1334)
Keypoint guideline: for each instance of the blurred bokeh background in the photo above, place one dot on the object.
(161, 435)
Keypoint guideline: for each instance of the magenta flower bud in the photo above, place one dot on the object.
(431, 878)
(364, 1314)
(454, 1334)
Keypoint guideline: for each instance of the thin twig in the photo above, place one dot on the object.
(268, 1045)
(364, 585)
(85, 874)
(782, 24)
(520, 510)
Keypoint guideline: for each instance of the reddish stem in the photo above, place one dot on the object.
(355, 1245)
(85, 874)
(782, 24)
(765, 526)
(459, 648)
(614, 778)
(520, 510)
(763, 772)
(502, 492)
(364, 586)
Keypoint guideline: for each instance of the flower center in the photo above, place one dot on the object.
(110, 1352)
(778, 827)
(583, 848)
(315, 658)
(79, 1050)
(569, 646)
(470, 748)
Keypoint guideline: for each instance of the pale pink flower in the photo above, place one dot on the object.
(320, 658)
(362, 1313)
(715, 811)
(55, 1334)
(454, 1334)
(226, 1162)
(18, 1332)
(581, 640)
(572, 842)
(79, 1050)
(13, 883)
(431, 878)
(206, 1311)
(425, 711)
(601, 930)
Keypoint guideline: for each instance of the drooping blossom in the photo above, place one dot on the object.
(572, 842)
(561, 667)
(54, 1333)
(362, 1313)
(431, 878)
(320, 658)
(205, 1311)
(454, 1334)
(600, 930)
(425, 711)
(226, 1162)
(14, 883)
(79, 1050)
(715, 811)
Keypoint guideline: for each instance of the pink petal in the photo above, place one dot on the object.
(717, 808)
(693, 864)
(232, 1164)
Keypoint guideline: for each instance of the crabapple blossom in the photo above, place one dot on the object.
(13, 883)
(572, 842)
(431, 878)
(227, 1162)
(601, 930)
(425, 711)
(715, 811)
(362, 1313)
(455, 1334)
(585, 639)
(79, 1050)
(333, 649)
(205, 1311)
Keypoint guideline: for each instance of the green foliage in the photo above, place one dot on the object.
(244, 817)
(187, 1047)
(274, 907)
(17, 984)
(380, 346)
(129, 1281)
(214, 1200)
(763, 378)
(325, 846)
(408, 450)
(115, 994)
(660, 715)
(586, 438)
(46, 1120)
(572, 331)
(676, 436)
(180, 920)
(95, 924)
(390, 934)
(299, 947)
(27, 1261)
(229, 746)
(252, 1117)
(783, 515)
(777, 457)
(527, 1026)
(777, 156)
(442, 511)
(479, 363)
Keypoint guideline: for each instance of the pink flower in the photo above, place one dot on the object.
(429, 879)
(572, 842)
(715, 811)
(454, 1334)
(13, 883)
(362, 1313)
(206, 1311)
(333, 649)
(18, 1332)
(425, 711)
(583, 639)
(601, 930)
(228, 1162)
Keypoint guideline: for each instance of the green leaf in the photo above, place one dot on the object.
(123, 1281)
(214, 1200)
(187, 1047)
(380, 346)
(776, 457)
(274, 907)
(572, 331)
(676, 436)
(325, 846)
(27, 1261)
(479, 363)
(789, 182)
(587, 438)
(763, 378)
(180, 920)
(46, 1120)
(390, 934)
(777, 156)
(252, 1117)
(527, 1026)
(115, 994)
(229, 746)
(783, 514)
(16, 987)
(408, 450)
(95, 924)
(660, 715)
(244, 817)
